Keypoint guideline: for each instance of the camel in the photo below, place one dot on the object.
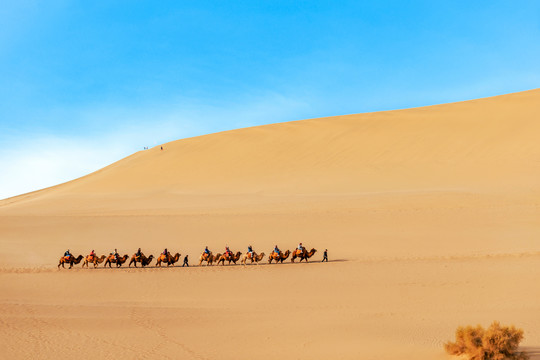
(169, 259)
(209, 258)
(206, 257)
(278, 257)
(71, 260)
(94, 259)
(214, 258)
(302, 254)
(112, 259)
(145, 261)
(255, 258)
(234, 258)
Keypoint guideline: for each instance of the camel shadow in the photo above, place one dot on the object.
(288, 263)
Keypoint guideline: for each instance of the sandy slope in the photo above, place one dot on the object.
(434, 214)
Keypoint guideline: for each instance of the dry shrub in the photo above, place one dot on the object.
(496, 343)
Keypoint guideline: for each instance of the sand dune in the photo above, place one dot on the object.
(433, 214)
(483, 143)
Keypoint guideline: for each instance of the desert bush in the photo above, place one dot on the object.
(496, 343)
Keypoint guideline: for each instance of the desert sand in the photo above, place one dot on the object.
(431, 217)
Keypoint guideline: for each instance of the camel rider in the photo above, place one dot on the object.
(67, 253)
(92, 254)
(276, 250)
(228, 251)
(116, 256)
(165, 252)
(250, 250)
(138, 254)
(206, 251)
(300, 248)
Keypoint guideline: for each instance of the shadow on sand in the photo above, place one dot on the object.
(532, 351)
(285, 263)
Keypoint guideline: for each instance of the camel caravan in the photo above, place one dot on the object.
(228, 257)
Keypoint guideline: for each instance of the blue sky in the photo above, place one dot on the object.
(85, 83)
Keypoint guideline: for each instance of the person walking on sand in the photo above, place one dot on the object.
(325, 255)
(185, 261)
